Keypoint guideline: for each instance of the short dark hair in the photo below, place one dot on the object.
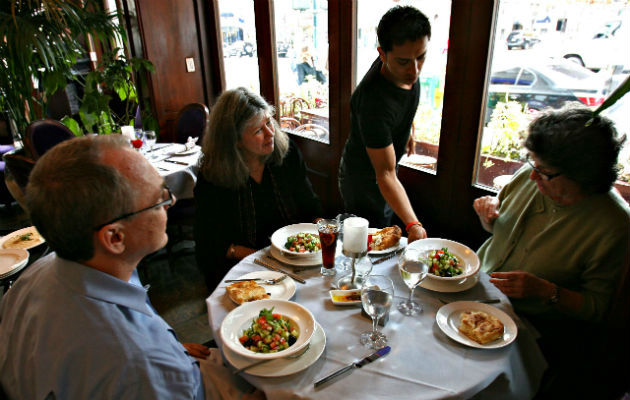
(401, 24)
(71, 190)
(582, 147)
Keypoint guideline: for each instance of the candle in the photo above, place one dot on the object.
(128, 132)
(355, 233)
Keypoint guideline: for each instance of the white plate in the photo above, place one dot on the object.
(282, 366)
(450, 287)
(12, 260)
(283, 290)
(279, 239)
(341, 293)
(463, 252)
(241, 318)
(23, 231)
(402, 243)
(295, 261)
(181, 151)
(447, 319)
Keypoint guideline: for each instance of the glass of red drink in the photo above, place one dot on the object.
(328, 232)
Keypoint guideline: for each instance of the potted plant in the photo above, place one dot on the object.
(41, 42)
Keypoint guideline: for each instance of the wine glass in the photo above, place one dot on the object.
(377, 294)
(413, 270)
(150, 139)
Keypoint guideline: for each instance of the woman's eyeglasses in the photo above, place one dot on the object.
(544, 175)
(162, 203)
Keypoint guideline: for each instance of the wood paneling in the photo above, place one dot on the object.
(170, 32)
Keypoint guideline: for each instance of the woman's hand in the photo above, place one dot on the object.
(197, 350)
(487, 208)
(521, 284)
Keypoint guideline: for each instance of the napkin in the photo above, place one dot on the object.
(191, 142)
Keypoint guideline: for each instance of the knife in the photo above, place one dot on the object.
(380, 353)
(273, 268)
(176, 162)
(387, 257)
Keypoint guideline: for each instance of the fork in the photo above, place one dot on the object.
(297, 355)
(260, 280)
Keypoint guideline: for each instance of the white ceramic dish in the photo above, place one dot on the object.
(12, 261)
(180, 150)
(345, 297)
(282, 291)
(468, 257)
(450, 287)
(240, 319)
(282, 366)
(448, 315)
(296, 261)
(20, 232)
(279, 239)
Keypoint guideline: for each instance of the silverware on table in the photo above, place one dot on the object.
(175, 162)
(387, 257)
(486, 301)
(155, 148)
(272, 281)
(272, 267)
(381, 352)
(296, 355)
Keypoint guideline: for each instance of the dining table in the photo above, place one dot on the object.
(178, 165)
(424, 362)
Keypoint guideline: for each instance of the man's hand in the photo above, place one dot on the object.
(487, 208)
(521, 284)
(197, 350)
(416, 232)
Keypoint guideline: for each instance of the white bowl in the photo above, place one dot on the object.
(279, 239)
(240, 319)
(468, 257)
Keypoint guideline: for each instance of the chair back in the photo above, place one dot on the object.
(44, 134)
(192, 120)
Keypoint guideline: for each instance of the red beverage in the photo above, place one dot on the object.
(328, 237)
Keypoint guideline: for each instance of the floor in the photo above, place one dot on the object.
(177, 291)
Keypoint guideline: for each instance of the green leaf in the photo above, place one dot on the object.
(73, 125)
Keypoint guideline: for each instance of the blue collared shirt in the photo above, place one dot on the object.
(84, 334)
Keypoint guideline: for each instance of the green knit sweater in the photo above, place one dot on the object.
(579, 247)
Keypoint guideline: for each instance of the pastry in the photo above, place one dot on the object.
(241, 292)
(386, 238)
(480, 326)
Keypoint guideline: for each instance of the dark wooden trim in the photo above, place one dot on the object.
(266, 44)
(210, 46)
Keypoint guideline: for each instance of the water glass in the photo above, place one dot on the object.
(328, 232)
(377, 294)
(346, 261)
(150, 139)
(413, 271)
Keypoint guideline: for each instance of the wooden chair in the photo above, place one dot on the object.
(18, 167)
(42, 135)
(317, 131)
(289, 123)
(192, 121)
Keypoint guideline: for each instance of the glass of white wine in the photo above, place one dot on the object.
(413, 270)
(377, 294)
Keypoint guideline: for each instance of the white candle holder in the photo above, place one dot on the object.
(355, 234)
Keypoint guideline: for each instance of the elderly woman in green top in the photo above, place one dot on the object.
(560, 232)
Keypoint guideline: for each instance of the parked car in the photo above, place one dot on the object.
(239, 48)
(606, 47)
(546, 83)
(521, 39)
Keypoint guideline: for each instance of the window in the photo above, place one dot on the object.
(302, 49)
(428, 119)
(545, 54)
(238, 34)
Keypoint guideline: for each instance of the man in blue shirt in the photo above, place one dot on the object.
(77, 324)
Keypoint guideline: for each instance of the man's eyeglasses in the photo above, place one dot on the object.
(162, 203)
(544, 175)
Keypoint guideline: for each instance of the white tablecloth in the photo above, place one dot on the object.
(180, 178)
(424, 363)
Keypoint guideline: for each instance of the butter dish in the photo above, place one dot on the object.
(345, 297)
